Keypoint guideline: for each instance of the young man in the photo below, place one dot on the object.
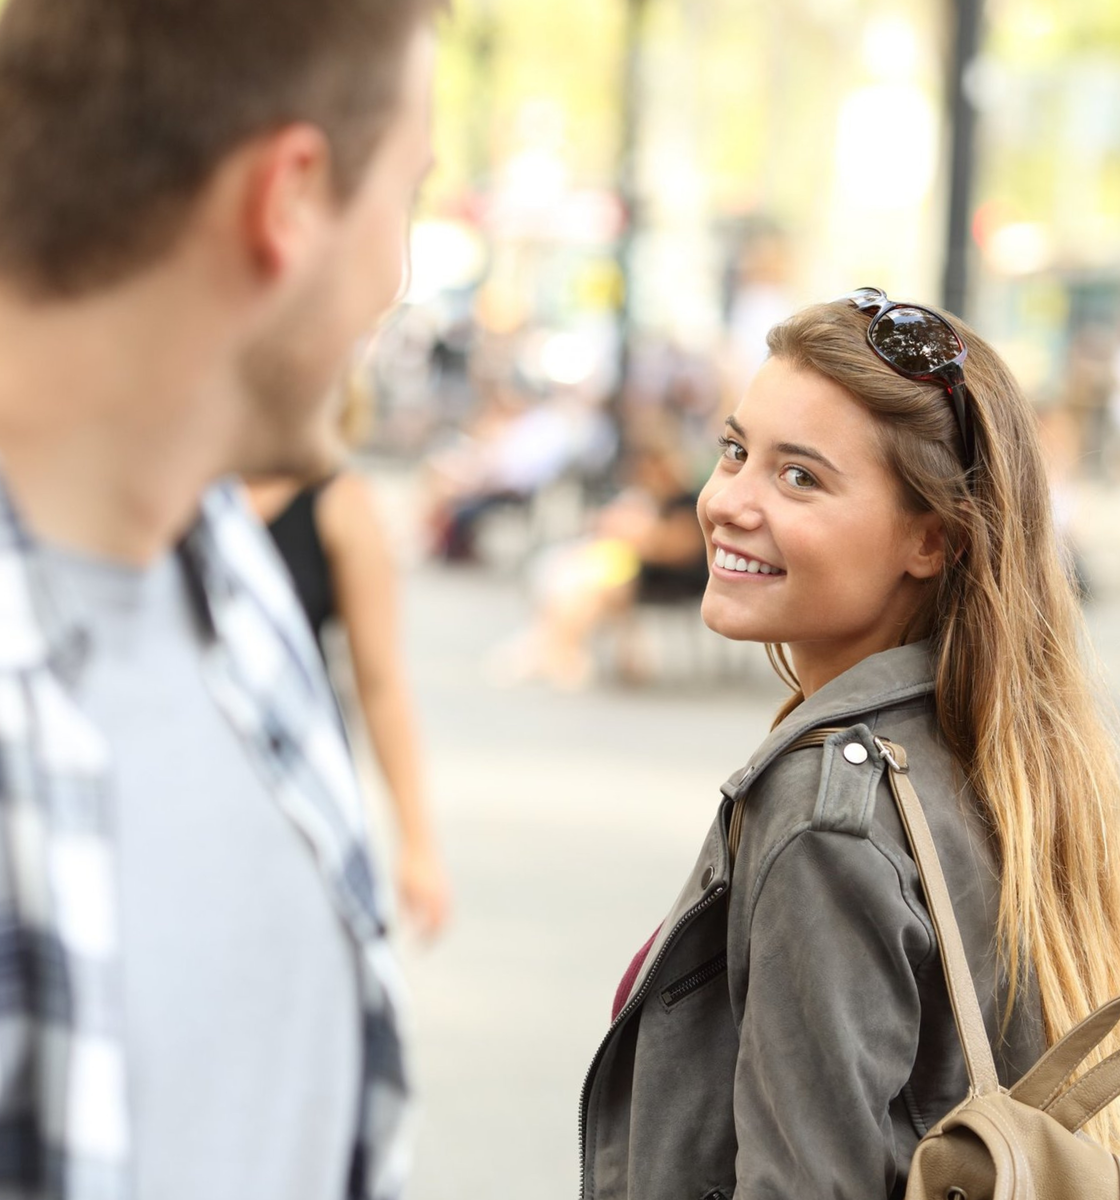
(202, 205)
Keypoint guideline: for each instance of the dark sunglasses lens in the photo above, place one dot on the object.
(915, 341)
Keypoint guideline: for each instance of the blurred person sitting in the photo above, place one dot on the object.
(333, 542)
(511, 450)
(645, 547)
(196, 222)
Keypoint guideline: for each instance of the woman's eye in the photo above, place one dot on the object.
(798, 478)
(733, 451)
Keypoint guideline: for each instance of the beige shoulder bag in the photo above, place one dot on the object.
(1021, 1144)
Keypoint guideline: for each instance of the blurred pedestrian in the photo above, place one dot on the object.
(1088, 380)
(201, 207)
(760, 297)
(331, 537)
(881, 520)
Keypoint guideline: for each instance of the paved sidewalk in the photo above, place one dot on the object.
(569, 822)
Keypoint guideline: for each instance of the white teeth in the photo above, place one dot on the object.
(731, 562)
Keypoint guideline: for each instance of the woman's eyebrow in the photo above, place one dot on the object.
(794, 448)
(799, 451)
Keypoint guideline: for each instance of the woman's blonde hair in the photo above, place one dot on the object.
(1016, 701)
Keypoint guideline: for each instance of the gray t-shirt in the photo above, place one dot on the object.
(241, 993)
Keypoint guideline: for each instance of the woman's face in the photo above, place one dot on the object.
(801, 499)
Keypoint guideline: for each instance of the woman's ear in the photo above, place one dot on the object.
(927, 556)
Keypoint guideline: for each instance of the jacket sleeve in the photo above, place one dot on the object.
(830, 1027)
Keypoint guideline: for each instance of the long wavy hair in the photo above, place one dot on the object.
(1019, 703)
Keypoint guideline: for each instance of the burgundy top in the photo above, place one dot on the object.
(632, 970)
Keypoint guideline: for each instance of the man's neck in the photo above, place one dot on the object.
(112, 418)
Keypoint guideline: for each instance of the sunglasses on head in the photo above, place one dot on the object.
(918, 344)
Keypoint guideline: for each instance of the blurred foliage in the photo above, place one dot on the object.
(752, 83)
(758, 78)
(1050, 97)
(497, 57)
(1041, 32)
(744, 98)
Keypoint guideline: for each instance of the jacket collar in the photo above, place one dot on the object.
(890, 677)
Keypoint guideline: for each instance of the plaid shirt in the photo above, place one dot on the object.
(64, 1102)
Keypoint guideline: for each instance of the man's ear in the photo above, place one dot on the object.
(927, 556)
(287, 198)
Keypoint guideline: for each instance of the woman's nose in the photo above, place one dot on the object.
(734, 500)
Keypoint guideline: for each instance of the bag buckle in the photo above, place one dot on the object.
(886, 753)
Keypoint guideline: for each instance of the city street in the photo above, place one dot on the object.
(569, 822)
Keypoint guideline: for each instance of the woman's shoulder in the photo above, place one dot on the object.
(346, 511)
(834, 782)
(800, 777)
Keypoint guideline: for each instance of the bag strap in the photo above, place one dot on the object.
(958, 976)
(1094, 1091)
(1044, 1080)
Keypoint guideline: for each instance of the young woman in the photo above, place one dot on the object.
(879, 517)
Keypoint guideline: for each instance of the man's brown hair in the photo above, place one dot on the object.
(114, 114)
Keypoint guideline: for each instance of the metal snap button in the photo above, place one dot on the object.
(707, 877)
(856, 753)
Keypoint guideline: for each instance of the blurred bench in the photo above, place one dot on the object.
(667, 642)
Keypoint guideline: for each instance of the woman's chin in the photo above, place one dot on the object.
(729, 621)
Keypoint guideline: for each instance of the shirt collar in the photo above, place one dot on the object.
(34, 632)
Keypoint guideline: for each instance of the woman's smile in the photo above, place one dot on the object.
(730, 564)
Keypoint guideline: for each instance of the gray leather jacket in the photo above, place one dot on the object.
(790, 1036)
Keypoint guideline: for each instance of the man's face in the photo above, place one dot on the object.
(295, 368)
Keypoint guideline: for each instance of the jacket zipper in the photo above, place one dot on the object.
(703, 974)
(627, 1009)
